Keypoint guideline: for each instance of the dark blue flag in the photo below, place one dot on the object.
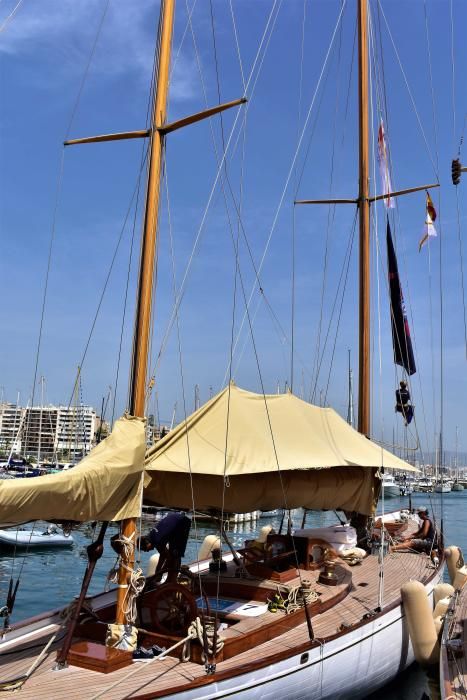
(401, 340)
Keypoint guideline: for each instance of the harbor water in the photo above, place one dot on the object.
(50, 579)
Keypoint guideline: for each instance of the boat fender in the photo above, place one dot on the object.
(460, 578)
(442, 590)
(209, 543)
(454, 561)
(422, 629)
(152, 565)
(264, 532)
(439, 621)
(441, 607)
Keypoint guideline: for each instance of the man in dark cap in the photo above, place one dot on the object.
(422, 540)
(169, 537)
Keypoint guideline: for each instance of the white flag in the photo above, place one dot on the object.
(384, 167)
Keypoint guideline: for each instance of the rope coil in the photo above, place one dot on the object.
(125, 547)
(205, 634)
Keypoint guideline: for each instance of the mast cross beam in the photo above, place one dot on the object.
(166, 129)
(199, 116)
(377, 198)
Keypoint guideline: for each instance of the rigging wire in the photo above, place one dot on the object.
(8, 19)
(453, 76)
(293, 237)
(270, 24)
(331, 208)
(236, 248)
(234, 25)
(414, 106)
(86, 70)
(381, 92)
(259, 58)
(342, 276)
(454, 129)
(107, 278)
(339, 316)
(430, 290)
(238, 275)
(291, 168)
(372, 80)
(180, 358)
(144, 157)
(58, 198)
(380, 85)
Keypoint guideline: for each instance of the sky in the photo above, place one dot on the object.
(83, 67)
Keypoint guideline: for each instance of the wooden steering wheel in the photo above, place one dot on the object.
(172, 609)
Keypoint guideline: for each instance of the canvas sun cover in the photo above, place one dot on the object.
(105, 485)
(292, 454)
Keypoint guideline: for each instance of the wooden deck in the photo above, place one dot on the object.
(454, 657)
(168, 675)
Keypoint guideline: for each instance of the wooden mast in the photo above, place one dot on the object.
(364, 225)
(146, 270)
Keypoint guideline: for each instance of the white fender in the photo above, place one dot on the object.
(453, 555)
(441, 607)
(460, 578)
(209, 543)
(439, 622)
(263, 533)
(442, 590)
(152, 564)
(422, 629)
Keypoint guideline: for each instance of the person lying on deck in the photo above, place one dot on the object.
(422, 540)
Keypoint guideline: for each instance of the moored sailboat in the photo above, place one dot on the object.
(332, 616)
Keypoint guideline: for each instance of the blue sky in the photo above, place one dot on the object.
(44, 50)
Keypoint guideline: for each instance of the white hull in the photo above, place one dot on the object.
(442, 488)
(349, 667)
(23, 538)
(391, 491)
(343, 668)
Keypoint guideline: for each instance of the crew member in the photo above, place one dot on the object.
(402, 402)
(423, 539)
(170, 538)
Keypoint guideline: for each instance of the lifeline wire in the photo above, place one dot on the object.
(208, 204)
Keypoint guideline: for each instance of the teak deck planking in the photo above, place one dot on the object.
(168, 675)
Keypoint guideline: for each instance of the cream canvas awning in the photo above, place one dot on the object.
(105, 485)
(270, 451)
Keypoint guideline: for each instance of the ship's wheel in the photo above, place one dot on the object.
(172, 609)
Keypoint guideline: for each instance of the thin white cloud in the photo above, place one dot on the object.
(68, 28)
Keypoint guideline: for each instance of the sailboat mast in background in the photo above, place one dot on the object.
(364, 224)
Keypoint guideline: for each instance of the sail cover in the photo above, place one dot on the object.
(105, 485)
(243, 451)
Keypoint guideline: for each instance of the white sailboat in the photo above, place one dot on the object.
(391, 488)
(330, 618)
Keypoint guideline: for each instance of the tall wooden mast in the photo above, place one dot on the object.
(146, 270)
(363, 201)
(364, 224)
(159, 128)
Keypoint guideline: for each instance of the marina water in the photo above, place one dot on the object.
(52, 578)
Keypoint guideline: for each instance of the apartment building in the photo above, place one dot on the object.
(48, 432)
